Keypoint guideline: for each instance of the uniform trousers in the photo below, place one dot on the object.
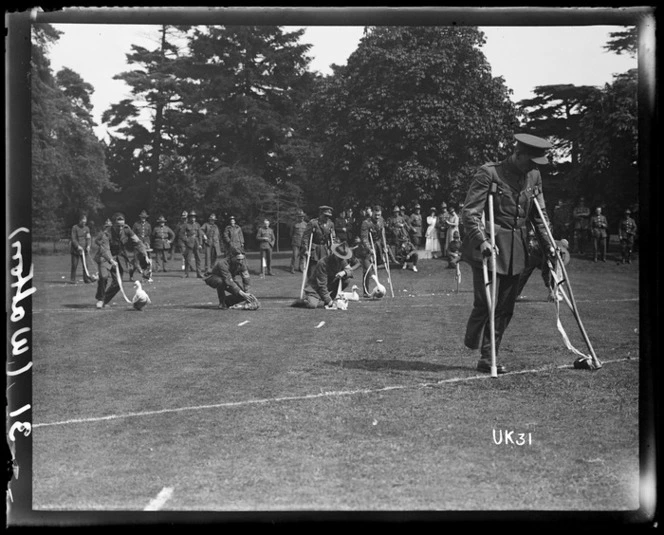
(477, 329)
(75, 257)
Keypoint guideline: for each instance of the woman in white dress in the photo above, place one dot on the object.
(433, 242)
(452, 227)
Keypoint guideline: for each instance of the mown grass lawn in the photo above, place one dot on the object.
(378, 409)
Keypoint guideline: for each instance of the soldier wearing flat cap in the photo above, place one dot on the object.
(323, 284)
(81, 239)
(162, 239)
(320, 231)
(513, 184)
(211, 242)
(296, 235)
(626, 233)
(233, 236)
(178, 246)
(193, 244)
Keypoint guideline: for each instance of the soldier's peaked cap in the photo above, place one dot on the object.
(327, 210)
(193, 212)
(535, 146)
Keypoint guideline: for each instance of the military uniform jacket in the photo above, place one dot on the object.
(322, 279)
(80, 237)
(143, 230)
(103, 254)
(212, 235)
(162, 237)
(262, 234)
(397, 225)
(192, 237)
(228, 270)
(323, 236)
(368, 232)
(121, 242)
(581, 214)
(233, 237)
(598, 226)
(416, 224)
(626, 228)
(297, 233)
(513, 207)
(341, 228)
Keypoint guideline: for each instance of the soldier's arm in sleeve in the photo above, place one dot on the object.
(273, 238)
(473, 208)
(306, 237)
(104, 245)
(74, 238)
(364, 235)
(229, 280)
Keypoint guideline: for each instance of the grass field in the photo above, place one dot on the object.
(184, 407)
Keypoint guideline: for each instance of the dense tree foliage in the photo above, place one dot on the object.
(229, 120)
(68, 164)
(409, 117)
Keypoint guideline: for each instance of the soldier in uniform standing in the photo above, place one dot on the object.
(193, 239)
(115, 248)
(369, 233)
(416, 224)
(162, 240)
(178, 246)
(321, 232)
(580, 214)
(626, 233)
(598, 226)
(265, 238)
(442, 227)
(79, 246)
(104, 259)
(143, 230)
(212, 242)
(341, 226)
(233, 236)
(296, 235)
(516, 181)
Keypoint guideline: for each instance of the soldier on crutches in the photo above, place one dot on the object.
(503, 192)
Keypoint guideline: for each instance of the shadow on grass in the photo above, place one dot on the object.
(393, 364)
(80, 305)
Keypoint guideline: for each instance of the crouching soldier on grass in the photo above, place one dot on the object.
(222, 278)
(323, 284)
(115, 248)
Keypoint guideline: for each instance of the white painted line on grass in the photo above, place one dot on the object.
(337, 393)
(319, 325)
(163, 496)
(243, 323)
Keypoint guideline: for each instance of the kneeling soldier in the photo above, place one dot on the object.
(222, 279)
(322, 286)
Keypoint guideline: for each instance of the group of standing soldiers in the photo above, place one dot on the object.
(584, 226)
